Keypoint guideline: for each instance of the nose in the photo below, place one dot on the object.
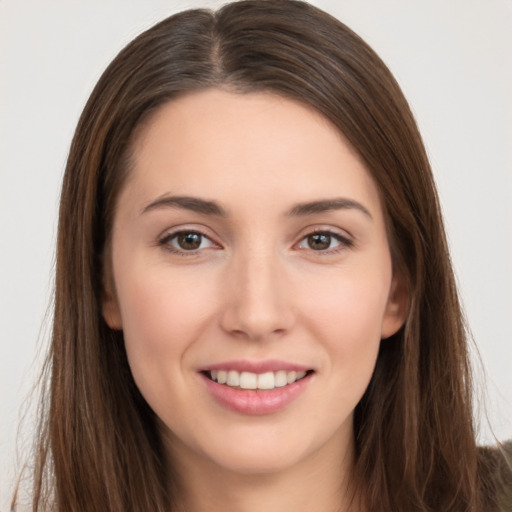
(257, 300)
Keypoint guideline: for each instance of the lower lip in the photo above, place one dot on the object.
(256, 402)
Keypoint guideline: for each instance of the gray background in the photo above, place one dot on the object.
(452, 58)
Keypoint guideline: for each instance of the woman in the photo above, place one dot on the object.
(254, 300)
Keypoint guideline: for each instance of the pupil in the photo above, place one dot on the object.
(319, 241)
(189, 241)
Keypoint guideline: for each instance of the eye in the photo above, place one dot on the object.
(186, 241)
(324, 241)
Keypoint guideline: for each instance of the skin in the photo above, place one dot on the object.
(257, 288)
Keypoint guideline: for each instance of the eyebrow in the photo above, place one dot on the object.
(187, 203)
(206, 207)
(327, 205)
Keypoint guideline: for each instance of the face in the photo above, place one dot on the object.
(252, 280)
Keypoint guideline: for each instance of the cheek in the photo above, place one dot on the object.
(162, 316)
(352, 305)
(346, 317)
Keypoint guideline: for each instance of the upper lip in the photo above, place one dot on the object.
(269, 365)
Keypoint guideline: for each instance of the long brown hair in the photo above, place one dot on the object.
(98, 445)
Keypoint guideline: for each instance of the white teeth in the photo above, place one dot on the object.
(266, 380)
(280, 379)
(249, 380)
(291, 376)
(233, 378)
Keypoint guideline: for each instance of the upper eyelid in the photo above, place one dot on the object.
(345, 239)
(339, 232)
(165, 238)
(332, 234)
(176, 230)
(174, 234)
(164, 242)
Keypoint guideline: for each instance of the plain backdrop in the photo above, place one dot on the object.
(452, 58)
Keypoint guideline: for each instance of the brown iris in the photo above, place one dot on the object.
(319, 241)
(189, 241)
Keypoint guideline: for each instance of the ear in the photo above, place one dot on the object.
(110, 309)
(396, 308)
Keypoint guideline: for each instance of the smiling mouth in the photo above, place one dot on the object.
(256, 381)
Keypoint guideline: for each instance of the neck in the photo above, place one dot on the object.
(317, 483)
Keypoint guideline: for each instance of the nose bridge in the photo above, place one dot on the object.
(257, 304)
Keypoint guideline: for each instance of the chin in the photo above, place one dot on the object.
(257, 461)
(243, 451)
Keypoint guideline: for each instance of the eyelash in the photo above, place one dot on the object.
(165, 242)
(344, 242)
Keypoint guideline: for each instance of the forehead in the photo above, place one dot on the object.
(246, 146)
